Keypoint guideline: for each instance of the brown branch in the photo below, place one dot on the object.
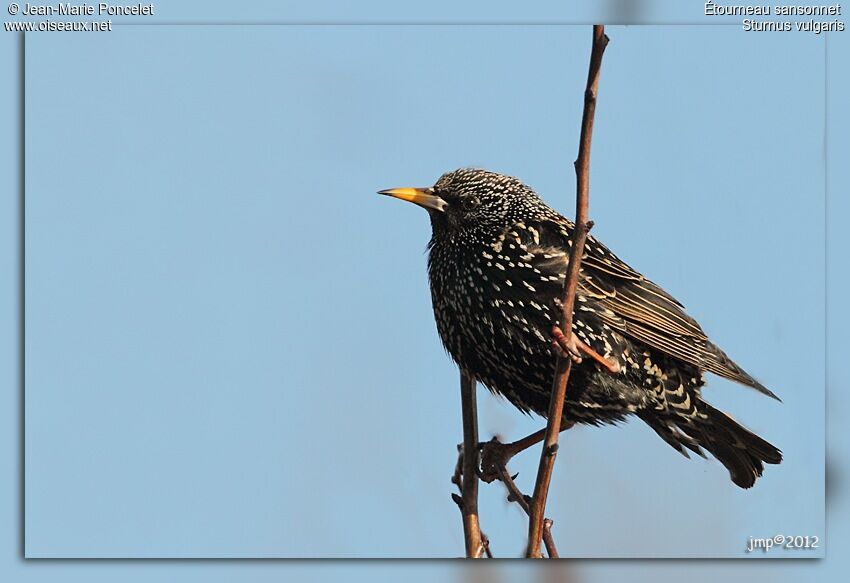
(582, 226)
(516, 495)
(485, 546)
(468, 500)
(548, 541)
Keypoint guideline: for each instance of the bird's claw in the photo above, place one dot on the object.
(493, 457)
(572, 347)
(567, 346)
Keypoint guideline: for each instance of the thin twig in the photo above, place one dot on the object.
(485, 545)
(516, 495)
(457, 479)
(548, 541)
(468, 500)
(582, 226)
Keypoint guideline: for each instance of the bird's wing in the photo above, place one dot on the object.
(640, 309)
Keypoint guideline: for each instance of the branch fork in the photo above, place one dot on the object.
(488, 461)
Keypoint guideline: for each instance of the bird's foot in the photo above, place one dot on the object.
(493, 458)
(567, 346)
(573, 347)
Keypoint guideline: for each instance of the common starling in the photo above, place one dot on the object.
(497, 263)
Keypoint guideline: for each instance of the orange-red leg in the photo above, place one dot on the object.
(573, 347)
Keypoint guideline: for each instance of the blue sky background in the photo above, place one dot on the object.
(193, 419)
(211, 279)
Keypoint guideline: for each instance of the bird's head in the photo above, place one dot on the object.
(473, 200)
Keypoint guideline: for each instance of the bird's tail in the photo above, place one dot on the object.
(742, 452)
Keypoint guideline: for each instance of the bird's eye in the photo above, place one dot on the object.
(470, 203)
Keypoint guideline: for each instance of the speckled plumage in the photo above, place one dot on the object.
(497, 261)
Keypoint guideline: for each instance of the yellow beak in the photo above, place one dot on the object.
(424, 197)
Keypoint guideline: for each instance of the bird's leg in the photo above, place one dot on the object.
(566, 347)
(573, 347)
(495, 455)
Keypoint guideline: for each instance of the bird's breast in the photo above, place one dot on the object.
(486, 318)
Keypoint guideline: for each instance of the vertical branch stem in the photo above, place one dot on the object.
(469, 483)
(582, 226)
